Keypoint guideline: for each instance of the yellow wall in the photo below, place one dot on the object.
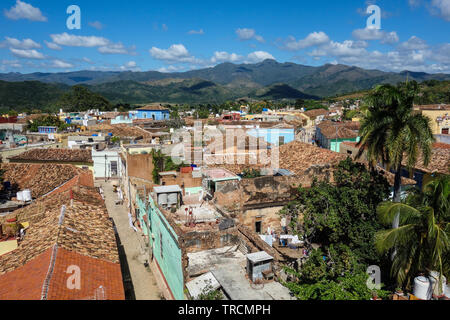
(433, 115)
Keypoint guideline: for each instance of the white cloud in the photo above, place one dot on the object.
(164, 27)
(116, 48)
(245, 34)
(52, 46)
(176, 53)
(196, 31)
(20, 44)
(105, 45)
(23, 10)
(59, 64)
(259, 56)
(130, 65)
(27, 54)
(70, 40)
(375, 34)
(97, 25)
(443, 8)
(414, 43)
(222, 56)
(313, 39)
(12, 63)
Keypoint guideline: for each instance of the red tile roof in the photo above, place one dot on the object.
(41, 178)
(84, 236)
(338, 133)
(55, 155)
(153, 108)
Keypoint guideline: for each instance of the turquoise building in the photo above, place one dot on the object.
(164, 242)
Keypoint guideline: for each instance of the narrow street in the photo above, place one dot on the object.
(139, 281)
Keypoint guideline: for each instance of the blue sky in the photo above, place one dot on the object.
(141, 35)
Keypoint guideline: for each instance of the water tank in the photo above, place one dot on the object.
(20, 196)
(172, 198)
(438, 290)
(162, 199)
(422, 288)
(27, 195)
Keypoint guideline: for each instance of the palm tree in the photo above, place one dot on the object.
(422, 240)
(391, 130)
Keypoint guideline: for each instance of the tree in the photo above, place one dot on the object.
(342, 212)
(81, 98)
(391, 130)
(422, 240)
(336, 275)
(45, 121)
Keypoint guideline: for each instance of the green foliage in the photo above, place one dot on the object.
(80, 98)
(209, 294)
(336, 275)
(46, 121)
(251, 173)
(162, 163)
(347, 287)
(422, 240)
(391, 129)
(344, 212)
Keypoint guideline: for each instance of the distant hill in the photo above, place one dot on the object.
(323, 81)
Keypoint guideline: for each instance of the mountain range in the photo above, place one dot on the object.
(265, 80)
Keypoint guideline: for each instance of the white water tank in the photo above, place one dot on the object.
(20, 196)
(422, 288)
(27, 195)
(438, 290)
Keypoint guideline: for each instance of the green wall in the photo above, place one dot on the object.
(169, 258)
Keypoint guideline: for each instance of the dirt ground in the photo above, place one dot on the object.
(139, 281)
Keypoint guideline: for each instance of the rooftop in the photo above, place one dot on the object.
(338, 132)
(55, 155)
(81, 235)
(259, 257)
(218, 174)
(39, 178)
(156, 107)
(298, 157)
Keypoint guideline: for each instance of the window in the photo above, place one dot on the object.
(349, 152)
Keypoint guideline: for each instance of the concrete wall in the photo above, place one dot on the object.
(140, 166)
(102, 163)
(149, 114)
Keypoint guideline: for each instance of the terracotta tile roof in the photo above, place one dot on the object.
(153, 108)
(297, 157)
(100, 280)
(86, 228)
(120, 130)
(312, 114)
(85, 238)
(352, 125)
(55, 155)
(25, 282)
(439, 162)
(338, 133)
(39, 178)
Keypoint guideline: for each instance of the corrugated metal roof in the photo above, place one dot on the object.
(259, 257)
(167, 189)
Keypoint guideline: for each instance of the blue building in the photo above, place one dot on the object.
(46, 130)
(152, 112)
